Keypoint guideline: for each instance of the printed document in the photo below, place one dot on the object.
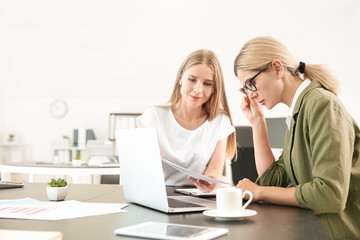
(192, 173)
(29, 208)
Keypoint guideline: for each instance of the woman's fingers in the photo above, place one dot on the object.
(245, 103)
(243, 91)
(203, 186)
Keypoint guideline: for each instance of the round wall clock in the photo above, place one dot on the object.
(59, 108)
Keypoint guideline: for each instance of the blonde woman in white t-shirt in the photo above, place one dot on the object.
(195, 130)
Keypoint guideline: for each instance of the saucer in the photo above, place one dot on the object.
(244, 213)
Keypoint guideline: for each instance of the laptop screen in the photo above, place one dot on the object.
(141, 168)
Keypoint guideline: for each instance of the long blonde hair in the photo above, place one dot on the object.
(258, 52)
(217, 102)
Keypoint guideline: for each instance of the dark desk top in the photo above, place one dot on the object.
(271, 221)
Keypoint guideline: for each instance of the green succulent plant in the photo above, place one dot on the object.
(57, 183)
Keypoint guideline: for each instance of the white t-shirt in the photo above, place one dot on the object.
(191, 149)
(300, 89)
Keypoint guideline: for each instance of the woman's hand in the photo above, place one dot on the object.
(205, 186)
(252, 110)
(246, 184)
(276, 195)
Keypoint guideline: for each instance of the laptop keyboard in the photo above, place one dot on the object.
(174, 203)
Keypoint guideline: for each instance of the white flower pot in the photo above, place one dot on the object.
(56, 193)
(76, 163)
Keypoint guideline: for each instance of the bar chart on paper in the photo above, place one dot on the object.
(33, 209)
(26, 212)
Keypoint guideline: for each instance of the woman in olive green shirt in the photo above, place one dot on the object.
(319, 167)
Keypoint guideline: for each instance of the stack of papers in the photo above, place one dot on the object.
(28, 208)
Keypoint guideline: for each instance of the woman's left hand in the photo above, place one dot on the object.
(205, 186)
(246, 184)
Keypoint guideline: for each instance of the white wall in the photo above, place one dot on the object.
(122, 56)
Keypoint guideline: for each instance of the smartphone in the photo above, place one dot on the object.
(160, 230)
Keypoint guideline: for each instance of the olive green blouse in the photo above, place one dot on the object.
(321, 158)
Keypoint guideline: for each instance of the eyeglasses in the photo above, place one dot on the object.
(250, 85)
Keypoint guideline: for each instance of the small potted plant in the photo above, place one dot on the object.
(76, 162)
(57, 189)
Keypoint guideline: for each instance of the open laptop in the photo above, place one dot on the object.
(142, 173)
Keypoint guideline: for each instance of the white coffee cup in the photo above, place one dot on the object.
(229, 201)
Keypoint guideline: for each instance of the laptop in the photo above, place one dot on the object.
(7, 184)
(142, 173)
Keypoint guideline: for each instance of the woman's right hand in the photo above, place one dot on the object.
(250, 107)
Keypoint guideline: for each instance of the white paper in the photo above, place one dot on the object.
(33, 209)
(192, 173)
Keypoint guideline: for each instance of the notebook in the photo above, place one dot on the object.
(142, 173)
(6, 184)
(30, 235)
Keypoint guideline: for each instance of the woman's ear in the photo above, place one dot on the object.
(279, 68)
